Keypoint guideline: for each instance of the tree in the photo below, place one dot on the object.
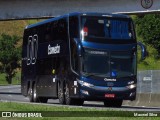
(10, 55)
(148, 28)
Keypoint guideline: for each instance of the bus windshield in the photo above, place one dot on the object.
(113, 64)
(110, 29)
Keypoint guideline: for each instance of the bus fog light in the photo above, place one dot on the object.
(132, 94)
(85, 92)
(131, 86)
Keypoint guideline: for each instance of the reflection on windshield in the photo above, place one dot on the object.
(115, 64)
(107, 28)
(123, 64)
(96, 62)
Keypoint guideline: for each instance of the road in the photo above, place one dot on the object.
(13, 93)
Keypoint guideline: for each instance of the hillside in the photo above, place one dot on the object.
(16, 28)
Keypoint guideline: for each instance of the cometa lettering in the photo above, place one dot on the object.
(53, 50)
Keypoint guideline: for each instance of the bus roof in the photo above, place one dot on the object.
(78, 14)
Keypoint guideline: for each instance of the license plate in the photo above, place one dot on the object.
(110, 95)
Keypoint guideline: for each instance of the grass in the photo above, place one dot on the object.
(83, 113)
(15, 27)
(16, 80)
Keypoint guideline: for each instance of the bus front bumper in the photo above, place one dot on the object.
(103, 93)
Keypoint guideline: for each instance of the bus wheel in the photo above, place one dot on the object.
(113, 103)
(35, 97)
(69, 101)
(61, 93)
(30, 94)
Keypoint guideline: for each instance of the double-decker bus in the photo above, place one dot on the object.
(79, 57)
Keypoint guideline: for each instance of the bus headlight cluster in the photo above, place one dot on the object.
(85, 83)
(132, 86)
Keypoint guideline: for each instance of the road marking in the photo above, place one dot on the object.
(10, 95)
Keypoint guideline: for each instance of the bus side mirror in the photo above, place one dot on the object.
(143, 50)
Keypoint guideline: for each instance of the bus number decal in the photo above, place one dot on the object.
(32, 48)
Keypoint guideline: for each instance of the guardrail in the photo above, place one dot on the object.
(148, 89)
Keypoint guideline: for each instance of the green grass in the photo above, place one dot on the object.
(16, 80)
(22, 107)
(15, 27)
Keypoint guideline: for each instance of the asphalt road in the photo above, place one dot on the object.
(13, 93)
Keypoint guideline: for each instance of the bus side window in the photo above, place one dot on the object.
(74, 27)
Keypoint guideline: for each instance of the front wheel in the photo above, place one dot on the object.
(71, 101)
(113, 103)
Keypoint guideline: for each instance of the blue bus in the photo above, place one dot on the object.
(81, 56)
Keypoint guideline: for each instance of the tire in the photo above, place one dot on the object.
(30, 94)
(61, 95)
(113, 103)
(35, 97)
(68, 99)
(71, 101)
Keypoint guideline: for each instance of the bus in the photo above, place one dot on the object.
(81, 57)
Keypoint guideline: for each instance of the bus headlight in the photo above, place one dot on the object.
(131, 86)
(85, 83)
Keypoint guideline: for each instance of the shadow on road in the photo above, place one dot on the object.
(10, 93)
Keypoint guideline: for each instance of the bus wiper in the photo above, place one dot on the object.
(129, 76)
(89, 74)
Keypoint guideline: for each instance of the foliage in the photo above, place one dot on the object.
(148, 28)
(10, 55)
